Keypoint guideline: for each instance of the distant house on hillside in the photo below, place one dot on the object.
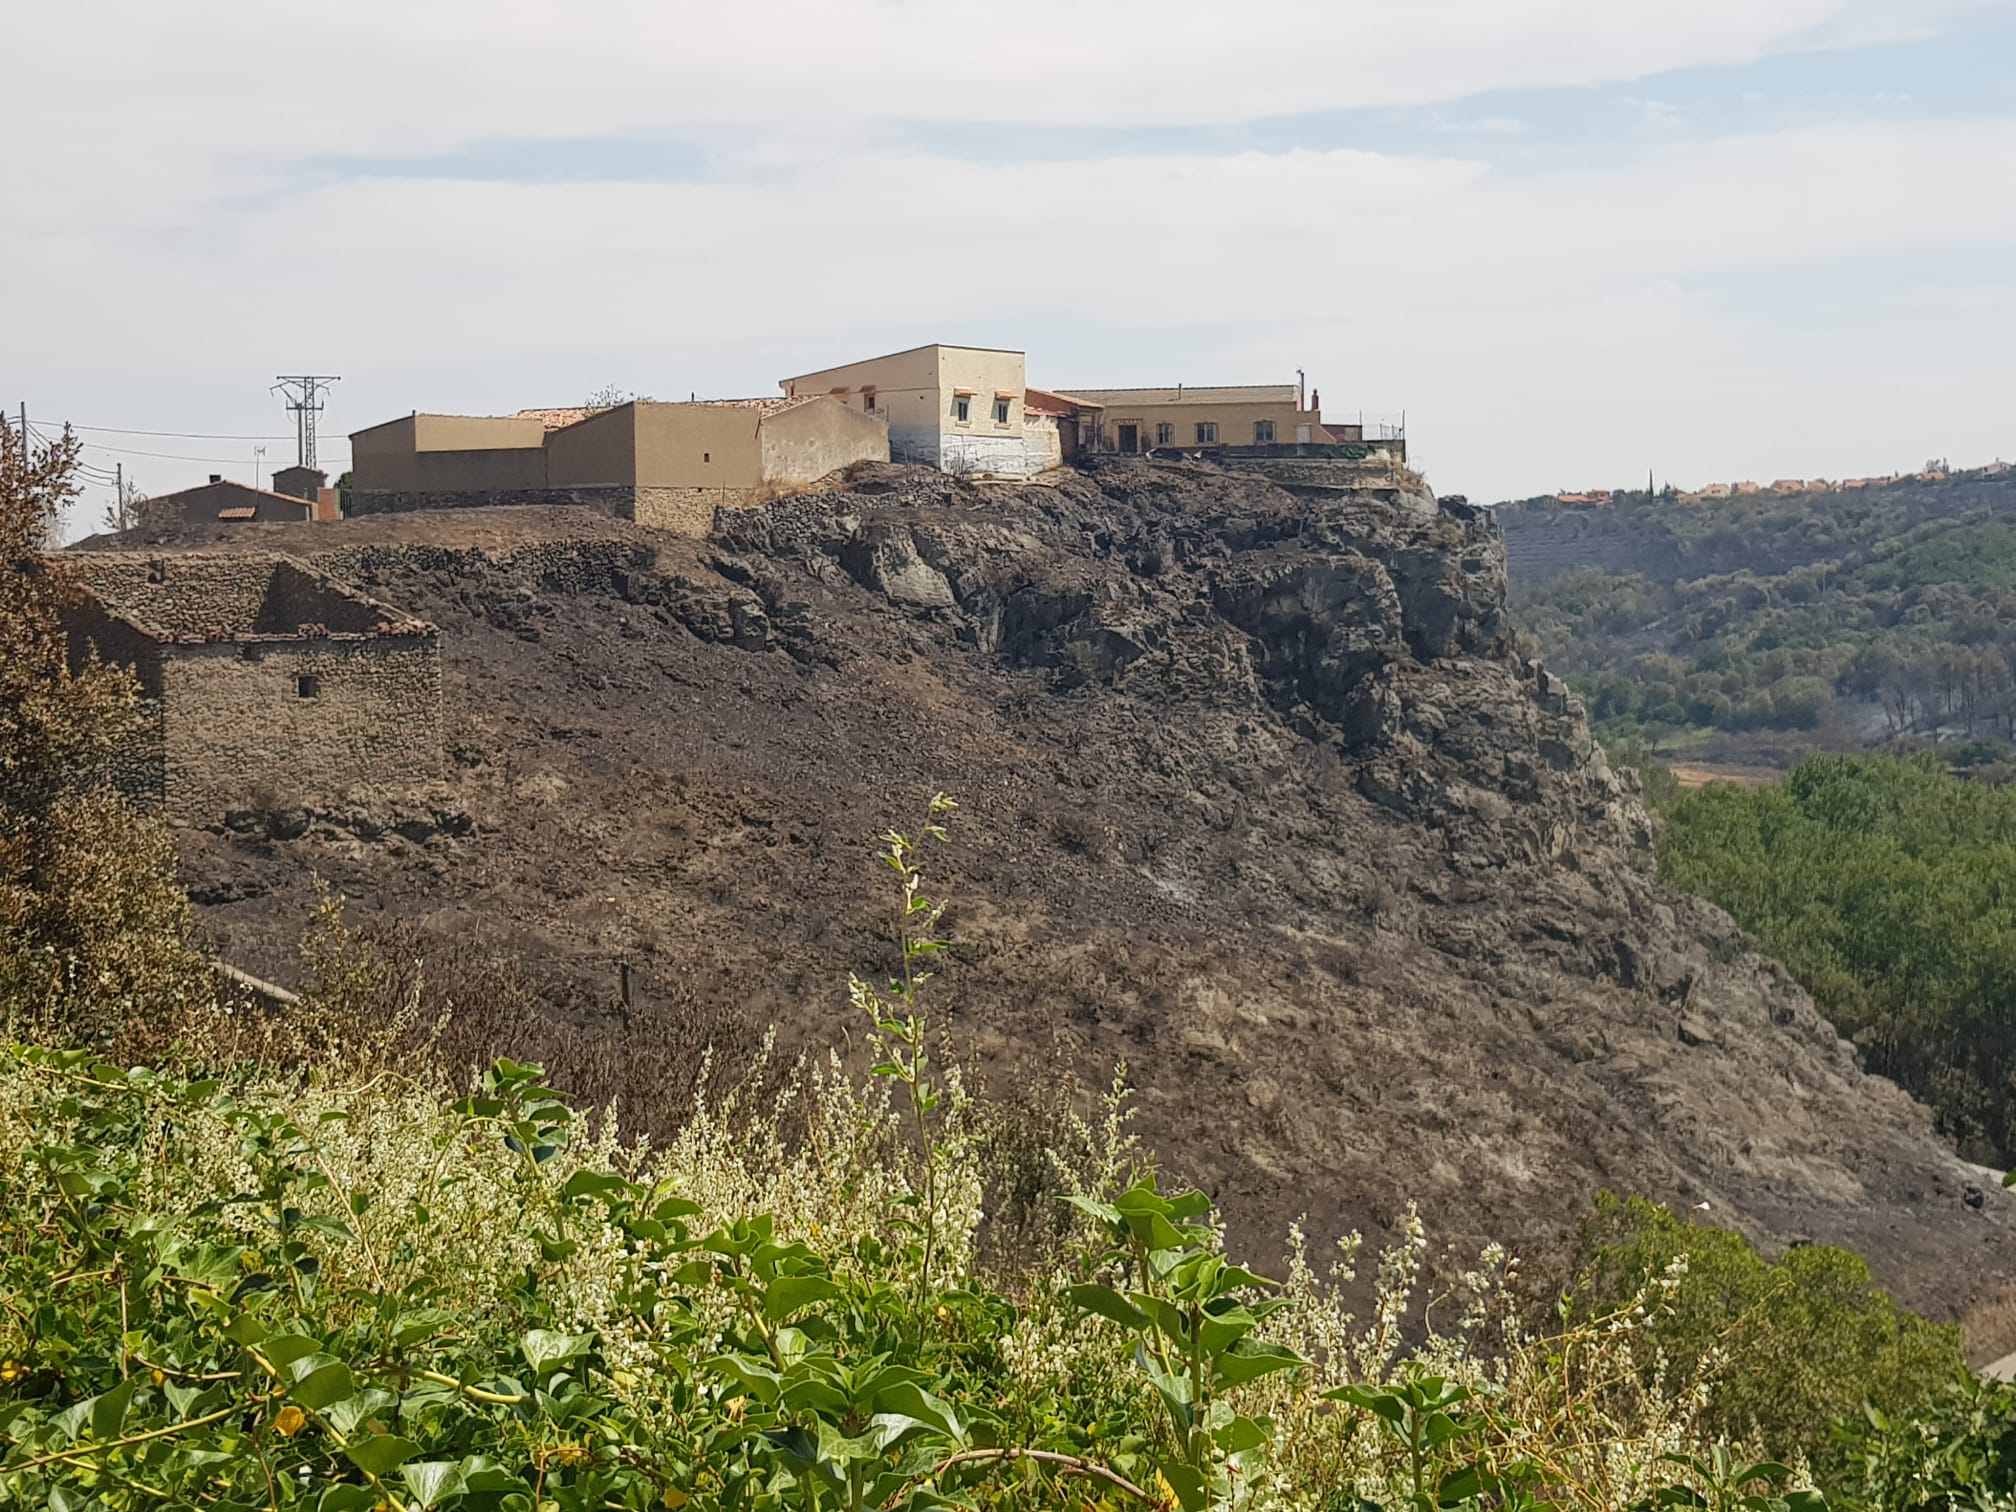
(1717, 490)
(1746, 487)
(222, 500)
(1789, 486)
(664, 465)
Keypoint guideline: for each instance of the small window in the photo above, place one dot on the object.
(1165, 434)
(868, 400)
(1000, 411)
(307, 685)
(962, 408)
(1263, 432)
(251, 651)
(706, 456)
(1207, 433)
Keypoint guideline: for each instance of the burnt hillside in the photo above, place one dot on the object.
(1255, 796)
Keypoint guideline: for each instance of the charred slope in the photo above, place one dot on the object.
(1256, 796)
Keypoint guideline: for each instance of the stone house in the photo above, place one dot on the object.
(257, 672)
(221, 499)
(669, 466)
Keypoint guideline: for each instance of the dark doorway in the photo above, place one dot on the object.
(1130, 439)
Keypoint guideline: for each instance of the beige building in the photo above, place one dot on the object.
(669, 466)
(962, 409)
(1268, 414)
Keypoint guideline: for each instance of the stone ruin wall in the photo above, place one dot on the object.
(259, 676)
(295, 718)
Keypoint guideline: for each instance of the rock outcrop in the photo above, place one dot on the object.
(1258, 796)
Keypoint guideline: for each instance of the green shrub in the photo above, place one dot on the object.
(1790, 1348)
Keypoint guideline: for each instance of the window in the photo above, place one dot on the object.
(307, 685)
(868, 400)
(1263, 432)
(962, 408)
(250, 652)
(1000, 411)
(706, 456)
(1207, 432)
(1165, 434)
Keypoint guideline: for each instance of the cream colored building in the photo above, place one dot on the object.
(665, 465)
(951, 407)
(1266, 414)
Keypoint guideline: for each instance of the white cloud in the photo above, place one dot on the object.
(1530, 322)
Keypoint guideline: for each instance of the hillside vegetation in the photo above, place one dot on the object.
(1836, 621)
(1889, 889)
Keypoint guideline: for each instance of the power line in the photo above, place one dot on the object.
(304, 397)
(113, 430)
(127, 451)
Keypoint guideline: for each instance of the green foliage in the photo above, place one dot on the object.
(93, 930)
(1658, 785)
(1193, 1331)
(321, 1286)
(1889, 889)
(1833, 616)
(1955, 1454)
(1808, 1338)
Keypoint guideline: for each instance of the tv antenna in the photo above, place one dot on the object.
(304, 393)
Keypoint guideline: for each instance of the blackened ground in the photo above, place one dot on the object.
(1255, 795)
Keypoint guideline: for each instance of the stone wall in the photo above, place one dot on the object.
(616, 500)
(296, 597)
(690, 511)
(296, 719)
(193, 594)
(995, 456)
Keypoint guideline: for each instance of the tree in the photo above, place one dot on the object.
(92, 926)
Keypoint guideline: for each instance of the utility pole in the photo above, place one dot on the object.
(119, 494)
(304, 393)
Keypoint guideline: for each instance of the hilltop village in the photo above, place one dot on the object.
(968, 411)
(259, 667)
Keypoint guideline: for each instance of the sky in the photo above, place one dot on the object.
(1574, 241)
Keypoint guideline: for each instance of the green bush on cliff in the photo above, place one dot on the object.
(1795, 1347)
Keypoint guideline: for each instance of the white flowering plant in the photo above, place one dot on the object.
(349, 1290)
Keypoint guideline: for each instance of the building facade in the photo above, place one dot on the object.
(1139, 420)
(668, 466)
(259, 674)
(960, 409)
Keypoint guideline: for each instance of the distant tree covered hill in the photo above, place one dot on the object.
(1839, 620)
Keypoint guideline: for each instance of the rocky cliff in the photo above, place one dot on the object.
(1257, 797)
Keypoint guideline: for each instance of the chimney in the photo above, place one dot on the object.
(1315, 401)
(216, 477)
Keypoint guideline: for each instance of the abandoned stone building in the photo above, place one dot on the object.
(664, 465)
(259, 675)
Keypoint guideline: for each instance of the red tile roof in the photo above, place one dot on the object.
(240, 512)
